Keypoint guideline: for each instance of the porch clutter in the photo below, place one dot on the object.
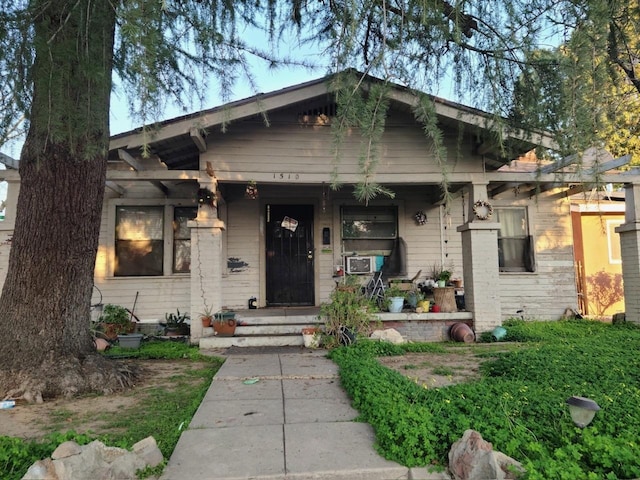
(224, 324)
(445, 298)
(461, 332)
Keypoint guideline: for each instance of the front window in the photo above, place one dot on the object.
(139, 241)
(515, 246)
(182, 238)
(369, 230)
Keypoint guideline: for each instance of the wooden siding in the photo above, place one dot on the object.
(286, 147)
(547, 292)
(156, 295)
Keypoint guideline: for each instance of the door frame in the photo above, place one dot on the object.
(313, 202)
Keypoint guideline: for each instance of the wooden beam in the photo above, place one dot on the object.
(198, 139)
(149, 175)
(560, 164)
(610, 165)
(137, 166)
(130, 160)
(115, 187)
(9, 162)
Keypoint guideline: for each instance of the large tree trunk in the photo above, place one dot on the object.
(45, 344)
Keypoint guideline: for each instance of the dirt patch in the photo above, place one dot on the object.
(456, 365)
(83, 414)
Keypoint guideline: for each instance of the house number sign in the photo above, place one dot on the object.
(286, 176)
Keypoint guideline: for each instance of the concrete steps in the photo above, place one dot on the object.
(265, 328)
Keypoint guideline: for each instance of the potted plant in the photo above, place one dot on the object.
(206, 316)
(347, 314)
(115, 320)
(394, 298)
(443, 278)
(176, 324)
(224, 323)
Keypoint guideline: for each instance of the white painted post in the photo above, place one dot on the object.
(206, 263)
(480, 265)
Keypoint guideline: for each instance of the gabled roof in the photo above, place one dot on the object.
(178, 141)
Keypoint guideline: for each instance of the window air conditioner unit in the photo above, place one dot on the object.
(360, 264)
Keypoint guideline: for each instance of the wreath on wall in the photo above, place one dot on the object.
(482, 210)
(420, 218)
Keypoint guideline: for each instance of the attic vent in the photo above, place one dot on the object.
(318, 115)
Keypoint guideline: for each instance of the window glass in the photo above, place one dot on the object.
(369, 222)
(182, 238)
(515, 249)
(139, 241)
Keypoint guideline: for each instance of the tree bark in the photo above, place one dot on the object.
(46, 348)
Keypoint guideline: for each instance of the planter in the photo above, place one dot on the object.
(131, 340)
(498, 334)
(206, 322)
(461, 332)
(224, 324)
(311, 337)
(396, 304)
(112, 330)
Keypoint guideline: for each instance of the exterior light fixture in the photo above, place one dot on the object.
(582, 410)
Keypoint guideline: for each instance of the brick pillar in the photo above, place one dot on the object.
(480, 265)
(630, 251)
(206, 265)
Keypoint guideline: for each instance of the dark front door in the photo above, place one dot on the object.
(289, 241)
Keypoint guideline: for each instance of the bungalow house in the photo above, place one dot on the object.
(227, 211)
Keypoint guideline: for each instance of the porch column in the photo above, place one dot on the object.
(480, 264)
(206, 263)
(630, 251)
(7, 226)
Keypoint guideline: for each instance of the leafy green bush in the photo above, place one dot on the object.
(159, 349)
(518, 405)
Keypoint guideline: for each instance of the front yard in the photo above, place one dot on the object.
(516, 400)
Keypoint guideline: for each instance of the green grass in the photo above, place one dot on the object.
(518, 404)
(164, 413)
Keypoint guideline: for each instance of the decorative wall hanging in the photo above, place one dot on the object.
(251, 191)
(482, 210)
(206, 197)
(420, 217)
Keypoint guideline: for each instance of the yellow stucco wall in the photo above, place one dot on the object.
(602, 263)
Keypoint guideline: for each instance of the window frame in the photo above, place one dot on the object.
(168, 206)
(526, 238)
(345, 250)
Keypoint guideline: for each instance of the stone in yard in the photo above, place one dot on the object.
(388, 335)
(472, 458)
(95, 461)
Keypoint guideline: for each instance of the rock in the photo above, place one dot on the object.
(388, 335)
(147, 448)
(66, 449)
(472, 458)
(95, 461)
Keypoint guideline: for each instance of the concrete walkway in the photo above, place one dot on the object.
(280, 416)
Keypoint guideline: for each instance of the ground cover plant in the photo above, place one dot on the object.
(518, 404)
(162, 411)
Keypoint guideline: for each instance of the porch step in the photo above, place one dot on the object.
(265, 328)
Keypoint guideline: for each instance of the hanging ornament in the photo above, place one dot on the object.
(420, 218)
(251, 191)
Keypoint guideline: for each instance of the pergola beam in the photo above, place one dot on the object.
(139, 167)
(198, 139)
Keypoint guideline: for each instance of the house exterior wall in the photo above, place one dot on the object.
(156, 295)
(602, 262)
(554, 278)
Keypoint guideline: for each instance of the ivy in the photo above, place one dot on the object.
(518, 404)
